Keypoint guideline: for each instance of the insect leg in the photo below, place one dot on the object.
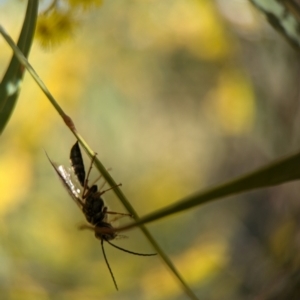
(86, 188)
(111, 188)
(120, 215)
(99, 177)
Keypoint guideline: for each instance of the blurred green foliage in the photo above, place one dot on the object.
(174, 96)
(13, 77)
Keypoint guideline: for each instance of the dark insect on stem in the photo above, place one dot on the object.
(91, 203)
(77, 163)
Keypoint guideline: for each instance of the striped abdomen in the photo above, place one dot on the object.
(77, 163)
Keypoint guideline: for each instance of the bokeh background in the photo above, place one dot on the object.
(175, 96)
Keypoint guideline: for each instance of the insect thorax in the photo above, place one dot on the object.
(94, 208)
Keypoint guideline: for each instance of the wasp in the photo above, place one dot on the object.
(90, 202)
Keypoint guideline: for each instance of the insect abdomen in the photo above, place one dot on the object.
(77, 163)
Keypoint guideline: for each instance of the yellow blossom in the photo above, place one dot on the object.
(85, 4)
(55, 27)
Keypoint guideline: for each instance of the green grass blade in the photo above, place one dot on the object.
(132, 211)
(98, 164)
(24, 62)
(278, 172)
(284, 17)
(11, 82)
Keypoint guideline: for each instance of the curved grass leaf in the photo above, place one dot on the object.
(284, 17)
(278, 172)
(98, 164)
(132, 211)
(10, 85)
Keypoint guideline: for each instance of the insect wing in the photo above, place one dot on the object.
(67, 182)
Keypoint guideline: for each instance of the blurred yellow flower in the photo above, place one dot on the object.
(55, 27)
(85, 4)
(14, 173)
(234, 103)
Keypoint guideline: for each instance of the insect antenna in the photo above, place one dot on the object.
(131, 252)
(110, 271)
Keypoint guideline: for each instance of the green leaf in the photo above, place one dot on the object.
(281, 171)
(284, 17)
(11, 82)
(132, 211)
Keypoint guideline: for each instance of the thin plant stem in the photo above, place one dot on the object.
(70, 124)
